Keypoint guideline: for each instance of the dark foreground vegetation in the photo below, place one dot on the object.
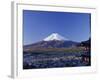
(53, 58)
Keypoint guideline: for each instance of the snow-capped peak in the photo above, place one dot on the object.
(55, 36)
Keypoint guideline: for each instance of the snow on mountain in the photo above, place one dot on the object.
(55, 36)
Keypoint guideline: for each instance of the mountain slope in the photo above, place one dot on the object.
(51, 44)
(52, 41)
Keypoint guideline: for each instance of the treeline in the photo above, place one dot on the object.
(85, 43)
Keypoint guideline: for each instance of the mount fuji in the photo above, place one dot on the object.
(55, 36)
(54, 40)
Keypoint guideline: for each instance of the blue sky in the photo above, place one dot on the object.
(39, 24)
